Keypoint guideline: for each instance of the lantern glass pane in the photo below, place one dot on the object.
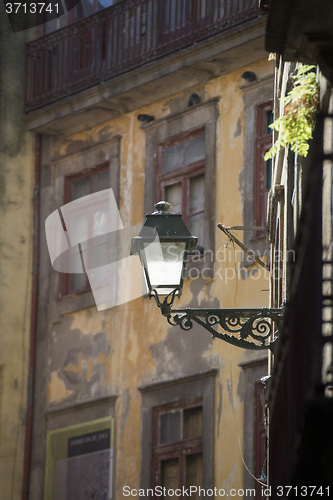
(164, 265)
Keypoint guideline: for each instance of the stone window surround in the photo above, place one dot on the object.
(198, 385)
(84, 160)
(69, 180)
(254, 370)
(170, 449)
(263, 143)
(203, 115)
(79, 413)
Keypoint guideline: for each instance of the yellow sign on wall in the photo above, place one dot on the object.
(79, 461)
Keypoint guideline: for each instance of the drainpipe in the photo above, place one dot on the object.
(33, 322)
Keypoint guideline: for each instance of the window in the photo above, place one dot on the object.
(87, 225)
(79, 162)
(177, 444)
(263, 169)
(178, 432)
(89, 39)
(180, 179)
(180, 167)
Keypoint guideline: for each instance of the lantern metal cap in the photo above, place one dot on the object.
(158, 225)
(163, 208)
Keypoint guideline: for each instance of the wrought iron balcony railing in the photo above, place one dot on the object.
(122, 37)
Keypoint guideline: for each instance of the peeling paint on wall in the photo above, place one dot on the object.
(57, 390)
(81, 359)
(180, 352)
(230, 483)
(238, 130)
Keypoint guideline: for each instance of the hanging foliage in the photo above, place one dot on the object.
(301, 104)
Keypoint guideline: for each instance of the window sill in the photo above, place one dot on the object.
(72, 302)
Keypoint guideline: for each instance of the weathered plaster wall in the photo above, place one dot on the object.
(92, 354)
(16, 229)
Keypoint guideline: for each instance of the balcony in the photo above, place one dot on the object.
(127, 37)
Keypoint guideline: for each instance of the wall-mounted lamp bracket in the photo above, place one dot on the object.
(254, 329)
(163, 245)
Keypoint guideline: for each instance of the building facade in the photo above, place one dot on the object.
(300, 393)
(149, 101)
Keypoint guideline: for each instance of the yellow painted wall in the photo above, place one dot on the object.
(133, 328)
(16, 230)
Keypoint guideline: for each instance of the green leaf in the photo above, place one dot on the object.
(301, 103)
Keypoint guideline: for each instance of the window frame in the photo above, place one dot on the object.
(176, 449)
(259, 435)
(254, 368)
(66, 277)
(263, 142)
(179, 125)
(76, 162)
(200, 385)
(181, 175)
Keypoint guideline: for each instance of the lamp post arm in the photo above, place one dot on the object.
(232, 237)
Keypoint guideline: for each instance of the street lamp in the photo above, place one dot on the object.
(163, 245)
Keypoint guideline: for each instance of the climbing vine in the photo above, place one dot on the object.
(301, 104)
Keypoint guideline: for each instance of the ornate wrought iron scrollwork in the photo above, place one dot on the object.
(254, 329)
(182, 320)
